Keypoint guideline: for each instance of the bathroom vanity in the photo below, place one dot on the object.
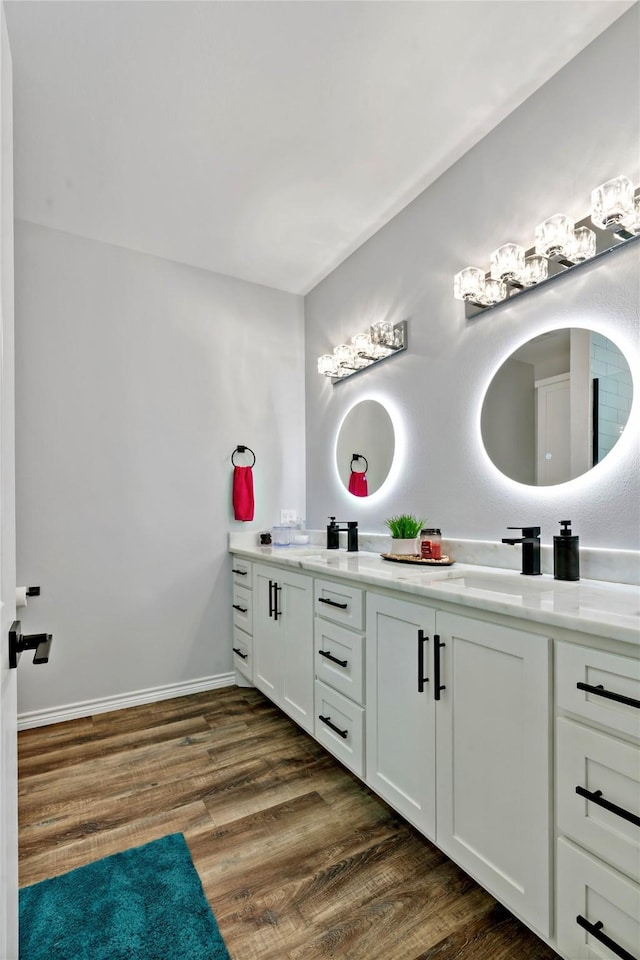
(499, 714)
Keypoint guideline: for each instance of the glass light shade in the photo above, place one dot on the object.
(536, 269)
(328, 365)
(612, 203)
(380, 350)
(494, 291)
(469, 284)
(382, 332)
(584, 245)
(344, 355)
(362, 343)
(633, 223)
(507, 262)
(554, 237)
(360, 362)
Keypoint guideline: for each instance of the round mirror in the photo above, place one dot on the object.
(556, 407)
(365, 447)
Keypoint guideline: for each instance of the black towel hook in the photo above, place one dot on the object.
(359, 456)
(242, 448)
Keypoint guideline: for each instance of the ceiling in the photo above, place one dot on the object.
(264, 140)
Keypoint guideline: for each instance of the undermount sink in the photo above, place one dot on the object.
(515, 585)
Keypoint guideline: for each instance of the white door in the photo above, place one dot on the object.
(493, 760)
(8, 770)
(401, 708)
(553, 441)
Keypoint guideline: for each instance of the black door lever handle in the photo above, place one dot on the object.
(18, 643)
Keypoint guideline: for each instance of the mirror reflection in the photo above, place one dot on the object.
(556, 407)
(365, 448)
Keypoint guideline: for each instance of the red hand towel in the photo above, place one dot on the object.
(358, 484)
(243, 493)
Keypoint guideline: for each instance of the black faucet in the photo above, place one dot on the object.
(530, 541)
(333, 535)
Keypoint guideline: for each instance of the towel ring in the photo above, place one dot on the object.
(241, 448)
(359, 456)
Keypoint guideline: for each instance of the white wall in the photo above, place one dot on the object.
(136, 378)
(580, 129)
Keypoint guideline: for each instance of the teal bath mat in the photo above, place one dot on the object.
(143, 904)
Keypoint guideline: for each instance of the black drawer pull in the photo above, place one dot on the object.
(333, 603)
(330, 656)
(595, 929)
(237, 606)
(437, 686)
(242, 573)
(608, 695)
(240, 653)
(341, 733)
(596, 797)
(421, 678)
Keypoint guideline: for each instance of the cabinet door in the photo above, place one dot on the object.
(493, 775)
(267, 639)
(294, 600)
(400, 716)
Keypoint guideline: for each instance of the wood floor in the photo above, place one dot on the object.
(298, 859)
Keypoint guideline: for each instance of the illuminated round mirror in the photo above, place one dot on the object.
(556, 407)
(365, 448)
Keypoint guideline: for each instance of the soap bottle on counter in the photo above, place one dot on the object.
(430, 544)
(566, 555)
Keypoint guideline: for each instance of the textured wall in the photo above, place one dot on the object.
(136, 378)
(577, 131)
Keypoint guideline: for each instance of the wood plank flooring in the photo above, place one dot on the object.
(298, 859)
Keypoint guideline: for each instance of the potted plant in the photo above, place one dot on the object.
(405, 530)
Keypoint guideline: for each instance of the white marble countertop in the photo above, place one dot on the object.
(590, 606)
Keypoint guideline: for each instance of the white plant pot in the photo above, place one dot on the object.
(404, 547)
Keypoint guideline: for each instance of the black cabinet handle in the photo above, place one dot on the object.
(242, 573)
(240, 653)
(596, 797)
(437, 686)
(236, 606)
(276, 611)
(608, 695)
(341, 733)
(333, 603)
(421, 678)
(330, 656)
(595, 929)
(271, 586)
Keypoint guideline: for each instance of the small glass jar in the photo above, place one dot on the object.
(430, 544)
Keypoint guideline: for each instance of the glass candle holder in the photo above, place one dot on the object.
(584, 245)
(554, 237)
(507, 262)
(612, 203)
(469, 284)
(536, 269)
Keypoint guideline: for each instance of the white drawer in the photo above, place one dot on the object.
(339, 602)
(341, 730)
(241, 570)
(594, 761)
(242, 608)
(243, 652)
(339, 658)
(598, 894)
(610, 674)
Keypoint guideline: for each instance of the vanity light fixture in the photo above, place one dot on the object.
(384, 339)
(560, 245)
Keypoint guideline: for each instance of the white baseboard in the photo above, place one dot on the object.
(87, 708)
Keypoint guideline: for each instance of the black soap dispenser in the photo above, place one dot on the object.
(566, 555)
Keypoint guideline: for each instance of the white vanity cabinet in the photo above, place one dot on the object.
(242, 605)
(283, 640)
(458, 741)
(339, 671)
(598, 803)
